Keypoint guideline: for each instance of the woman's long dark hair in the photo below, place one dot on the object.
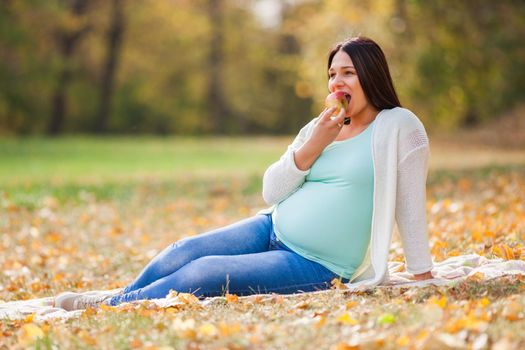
(372, 71)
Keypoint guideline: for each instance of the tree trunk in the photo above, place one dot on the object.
(114, 44)
(67, 42)
(218, 113)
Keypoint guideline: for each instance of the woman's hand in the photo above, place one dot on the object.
(325, 132)
(327, 128)
(424, 276)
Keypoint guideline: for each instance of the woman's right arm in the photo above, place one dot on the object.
(283, 177)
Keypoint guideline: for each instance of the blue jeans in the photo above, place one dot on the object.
(243, 258)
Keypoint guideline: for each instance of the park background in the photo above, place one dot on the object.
(126, 125)
(237, 67)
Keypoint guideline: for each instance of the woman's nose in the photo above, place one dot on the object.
(337, 82)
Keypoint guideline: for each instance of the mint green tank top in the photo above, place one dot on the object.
(328, 219)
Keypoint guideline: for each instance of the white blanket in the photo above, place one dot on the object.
(446, 272)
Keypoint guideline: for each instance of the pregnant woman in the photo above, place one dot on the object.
(335, 196)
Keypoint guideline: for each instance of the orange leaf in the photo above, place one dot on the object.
(478, 276)
(346, 346)
(188, 298)
(503, 251)
(351, 304)
(403, 340)
(227, 330)
(232, 298)
(337, 284)
(513, 311)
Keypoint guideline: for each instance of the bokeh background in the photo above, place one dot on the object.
(237, 67)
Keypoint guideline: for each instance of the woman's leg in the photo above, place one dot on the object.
(247, 236)
(279, 271)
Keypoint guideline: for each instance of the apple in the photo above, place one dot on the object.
(338, 99)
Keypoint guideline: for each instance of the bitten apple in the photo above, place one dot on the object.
(338, 99)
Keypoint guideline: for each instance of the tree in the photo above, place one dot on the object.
(114, 43)
(218, 111)
(68, 40)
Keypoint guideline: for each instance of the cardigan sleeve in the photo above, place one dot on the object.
(282, 178)
(410, 203)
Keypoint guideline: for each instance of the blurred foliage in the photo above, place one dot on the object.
(214, 66)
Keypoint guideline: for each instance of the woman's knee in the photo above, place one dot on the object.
(204, 273)
(176, 247)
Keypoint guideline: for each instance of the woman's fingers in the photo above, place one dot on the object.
(340, 118)
(327, 113)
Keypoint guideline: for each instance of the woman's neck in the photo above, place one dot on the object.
(365, 117)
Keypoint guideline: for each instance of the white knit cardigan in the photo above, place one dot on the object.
(400, 153)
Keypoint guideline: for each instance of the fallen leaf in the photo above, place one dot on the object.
(29, 334)
(232, 298)
(346, 319)
(207, 330)
(351, 304)
(386, 318)
(513, 311)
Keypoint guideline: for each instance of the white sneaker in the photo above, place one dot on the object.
(70, 301)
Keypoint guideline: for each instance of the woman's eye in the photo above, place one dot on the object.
(331, 75)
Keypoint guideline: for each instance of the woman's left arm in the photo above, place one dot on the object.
(410, 203)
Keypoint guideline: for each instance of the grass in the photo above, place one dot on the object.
(85, 213)
(102, 160)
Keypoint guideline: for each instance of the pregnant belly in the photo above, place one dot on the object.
(327, 220)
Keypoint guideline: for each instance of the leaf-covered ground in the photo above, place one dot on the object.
(80, 237)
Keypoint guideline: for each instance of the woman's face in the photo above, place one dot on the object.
(343, 77)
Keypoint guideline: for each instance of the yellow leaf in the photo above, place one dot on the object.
(454, 252)
(29, 334)
(403, 340)
(227, 330)
(105, 307)
(441, 302)
(29, 318)
(346, 319)
(422, 335)
(484, 302)
(470, 322)
(208, 330)
(503, 251)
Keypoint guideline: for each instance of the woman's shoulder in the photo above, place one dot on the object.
(402, 117)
